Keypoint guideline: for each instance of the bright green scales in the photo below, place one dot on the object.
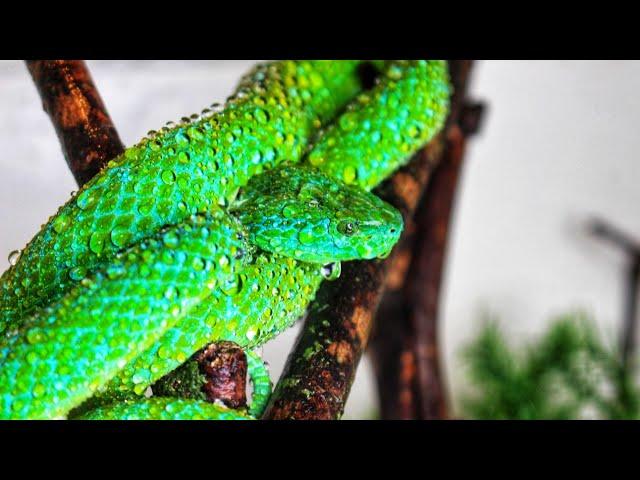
(219, 229)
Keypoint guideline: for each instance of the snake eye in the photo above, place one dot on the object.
(348, 227)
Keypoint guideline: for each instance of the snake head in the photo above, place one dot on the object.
(299, 212)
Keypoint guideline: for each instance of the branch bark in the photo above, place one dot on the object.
(85, 130)
(321, 368)
(405, 349)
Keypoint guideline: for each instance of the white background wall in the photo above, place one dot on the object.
(559, 143)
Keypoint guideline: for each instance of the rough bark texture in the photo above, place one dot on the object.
(224, 366)
(218, 372)
(320, 370)
(87, 135)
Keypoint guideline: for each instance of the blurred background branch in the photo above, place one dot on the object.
(631, 249)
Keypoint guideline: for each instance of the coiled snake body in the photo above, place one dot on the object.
(218, 228)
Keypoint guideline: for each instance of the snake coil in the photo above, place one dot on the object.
(221, 227)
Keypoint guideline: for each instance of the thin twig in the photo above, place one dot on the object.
(631, 249)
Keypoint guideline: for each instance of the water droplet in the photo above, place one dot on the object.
(120, 235)
(347, 227)
(349, 174)
(164, 352)
(171, 239)
(232, 286)
(86, 199)
(34, 336)
(224, 261)
(229, 138)
(139, 377)
(197, 264)
(77, 273)
(289, 211)
(61, 223)
(182, 139)
(331, 271)
(347, 122)
(306, 236)
(145, 208)
(14, 256)
(183, 157)
(96, 242)
(261, 115)
(168, 176)
(171, 292)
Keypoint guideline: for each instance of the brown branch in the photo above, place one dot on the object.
(89, 140)
(405, 347)
(87, 135)
(217, 372)
(320, 370)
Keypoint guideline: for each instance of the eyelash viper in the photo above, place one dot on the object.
(219, 228)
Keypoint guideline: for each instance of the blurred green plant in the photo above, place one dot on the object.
(568, 371)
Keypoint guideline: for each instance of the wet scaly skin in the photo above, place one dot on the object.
(315, 213)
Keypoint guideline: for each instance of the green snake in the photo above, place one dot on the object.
(220, 227)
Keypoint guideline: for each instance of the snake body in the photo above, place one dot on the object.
(214, 229)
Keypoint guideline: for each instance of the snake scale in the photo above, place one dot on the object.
(220, 227)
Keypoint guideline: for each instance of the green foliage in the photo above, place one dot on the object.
(566, 371)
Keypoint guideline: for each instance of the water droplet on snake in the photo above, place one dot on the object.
(331, 271)
(14, 256)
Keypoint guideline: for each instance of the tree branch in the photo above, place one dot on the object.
(70, 98)
(630, 247)
(405, 349)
